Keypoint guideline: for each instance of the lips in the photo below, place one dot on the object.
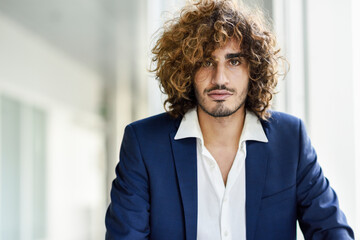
(219, 94)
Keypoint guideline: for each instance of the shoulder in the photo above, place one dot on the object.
(152, 134)
(282, 118)
(157, 124)
(282, 124)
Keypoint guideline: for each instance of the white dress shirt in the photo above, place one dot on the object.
(221, 209)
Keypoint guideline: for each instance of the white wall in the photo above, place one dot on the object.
(331, 97)
(322, 86)
(355, 6)
(33, 69)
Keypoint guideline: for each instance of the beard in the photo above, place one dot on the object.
(220, 110)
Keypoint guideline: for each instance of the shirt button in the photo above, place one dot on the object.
(226, 233)
(242, 146)
(225, 199)
(211, 164)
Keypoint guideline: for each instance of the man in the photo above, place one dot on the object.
(219, 164)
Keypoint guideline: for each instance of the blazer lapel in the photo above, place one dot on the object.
(256, 165)
(184, 153)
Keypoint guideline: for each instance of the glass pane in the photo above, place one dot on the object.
(10, 169)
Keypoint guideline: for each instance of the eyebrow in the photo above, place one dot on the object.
(234, 55)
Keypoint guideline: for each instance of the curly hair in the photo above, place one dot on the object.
(201, 27)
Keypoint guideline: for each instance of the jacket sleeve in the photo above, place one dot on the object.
(127, 216)
(318, 211)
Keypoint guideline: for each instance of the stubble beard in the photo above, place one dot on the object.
(220, 110)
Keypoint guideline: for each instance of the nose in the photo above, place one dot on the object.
(219, 77)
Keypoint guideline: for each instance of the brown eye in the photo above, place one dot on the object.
(207, 63)
(234, 62)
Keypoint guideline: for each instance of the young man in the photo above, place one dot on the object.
(219, 164)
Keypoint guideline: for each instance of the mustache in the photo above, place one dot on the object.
(219, 87)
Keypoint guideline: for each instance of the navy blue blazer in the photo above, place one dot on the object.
(154, 195)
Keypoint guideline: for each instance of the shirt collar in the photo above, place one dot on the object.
(189, 127)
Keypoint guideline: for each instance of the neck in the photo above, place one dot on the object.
(222, 131)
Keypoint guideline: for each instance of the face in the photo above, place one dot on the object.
(221, 83)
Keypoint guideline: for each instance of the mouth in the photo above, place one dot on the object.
(219, 95)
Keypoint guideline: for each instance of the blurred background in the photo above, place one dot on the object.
(73, 74)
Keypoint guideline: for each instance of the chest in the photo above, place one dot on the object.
(224, 158)
(221, 195)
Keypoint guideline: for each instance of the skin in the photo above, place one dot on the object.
(221, 86)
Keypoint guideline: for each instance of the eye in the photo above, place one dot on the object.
(207, 63)
(234, 62)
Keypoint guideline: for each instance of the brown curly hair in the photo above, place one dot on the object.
(202, 27)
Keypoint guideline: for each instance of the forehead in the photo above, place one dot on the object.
(231, 46)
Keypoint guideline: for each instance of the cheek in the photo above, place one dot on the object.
(200, 82)
(242, 80)
(201, 78)
(241, 72)
(198, 88)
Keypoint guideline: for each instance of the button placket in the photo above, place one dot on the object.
(225, 221)
(211, 164)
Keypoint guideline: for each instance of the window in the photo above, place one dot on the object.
(22, 168)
